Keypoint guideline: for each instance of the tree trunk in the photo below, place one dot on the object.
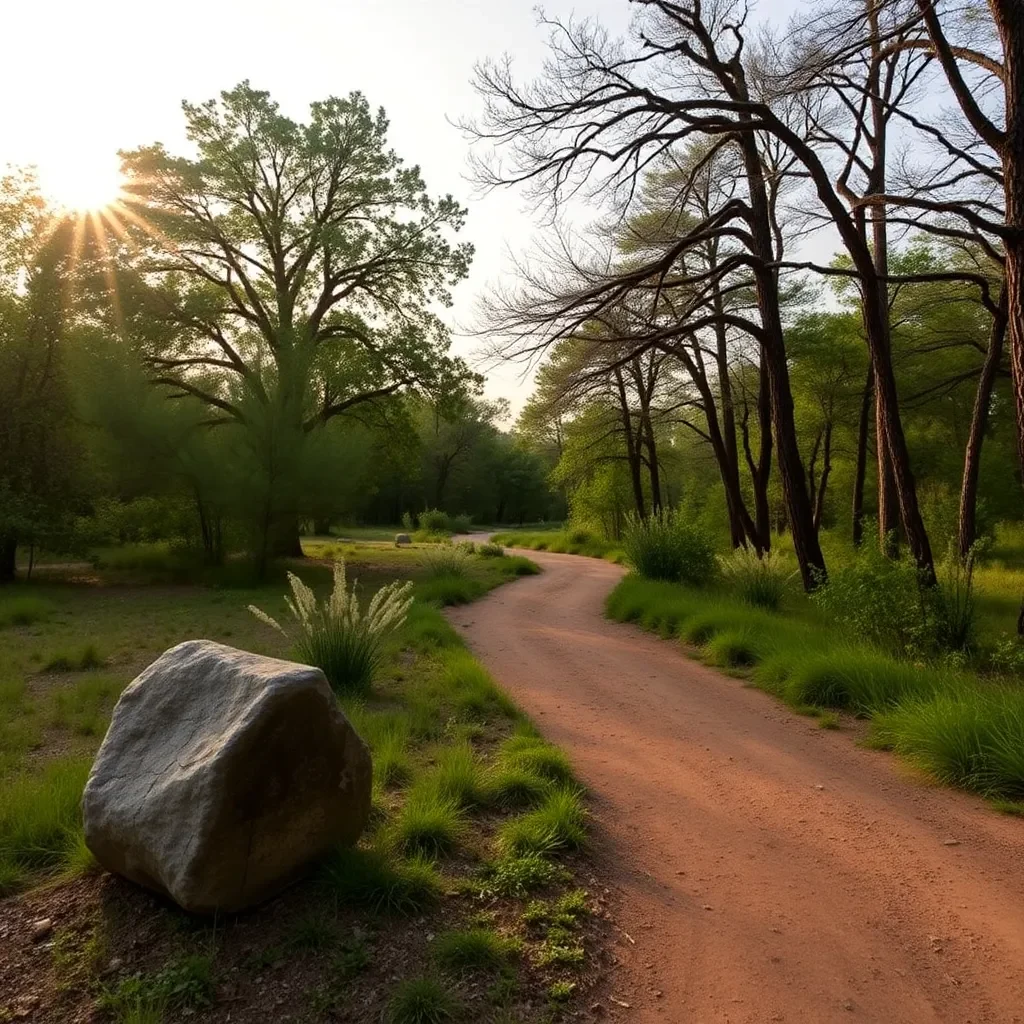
(760, 478)
(967, 526)
(653, 469)
(285, 541)
(826, 470)
(862, 459)
(730, 464)
(888, 509)
(8, 557)
(632, 448)
(773, 355)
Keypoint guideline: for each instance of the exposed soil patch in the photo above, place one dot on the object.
(769, 870)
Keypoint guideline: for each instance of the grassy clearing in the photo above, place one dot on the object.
(565, 542)
(473, 814)
(960, 729)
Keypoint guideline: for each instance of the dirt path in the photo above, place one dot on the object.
(766, 869)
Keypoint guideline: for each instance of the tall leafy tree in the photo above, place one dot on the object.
(286, 273)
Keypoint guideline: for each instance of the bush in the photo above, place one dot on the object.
(490, 550)
(461, 523)
(666, 547)
(953, 603)
(433, 520)
(336, 637)
(878, 599)
(758, 581)
(445, 560)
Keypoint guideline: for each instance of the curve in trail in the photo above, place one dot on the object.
(768, 870)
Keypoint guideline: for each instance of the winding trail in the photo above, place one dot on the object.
(763, 869)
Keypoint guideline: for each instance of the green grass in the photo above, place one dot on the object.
(531, 755)
(453, 760)
(85, 707)
(40, 821)
(972, 738)
(80, 660)
(471, 690)
(568, 542)
(518, 875)
(458, 777)
(560, 823)
(957, 728)
(422, 1001)
(378, 881)
(472, 949)
(428, 824)
(450, 590)
(24, 610)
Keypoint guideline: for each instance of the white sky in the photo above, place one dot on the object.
(84, 78)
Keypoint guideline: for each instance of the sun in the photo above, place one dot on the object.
(83, 186)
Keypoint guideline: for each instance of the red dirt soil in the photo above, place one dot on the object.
(765, 869)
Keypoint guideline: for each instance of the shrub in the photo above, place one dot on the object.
(23, 611)
(422, 1001)
(472, 949)
(461, 523)
(490, 550)
(336, 637)
(445, 560)
(666, 547)
(433, 520)
(373, 879)
(467, 547)
(558, 824)
(758, 581)
(878, 599)
(953, 602)
(407, 522)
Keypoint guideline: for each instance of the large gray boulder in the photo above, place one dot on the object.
(223, 774)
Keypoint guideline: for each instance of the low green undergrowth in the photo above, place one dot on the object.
(959, 728)
(472, 810)
(566, 542)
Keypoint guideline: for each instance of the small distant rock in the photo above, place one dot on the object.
(402, 539)
(950, 842)
(819, 786)
(41, 928)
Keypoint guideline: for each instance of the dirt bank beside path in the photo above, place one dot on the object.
(766, 869)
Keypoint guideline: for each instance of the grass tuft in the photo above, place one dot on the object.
(558, 824)
(87, 657)
(422, 1001)
(382, 883)
(475, 949)
(428, 824)
(24, 610)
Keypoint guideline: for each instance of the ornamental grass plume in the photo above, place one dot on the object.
(335, 636)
